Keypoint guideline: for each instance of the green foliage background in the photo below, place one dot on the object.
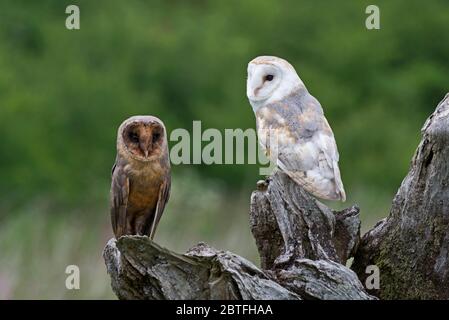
(63, 94)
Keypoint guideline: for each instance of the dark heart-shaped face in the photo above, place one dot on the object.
(143, 139)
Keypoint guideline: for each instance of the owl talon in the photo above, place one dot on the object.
(262, 185)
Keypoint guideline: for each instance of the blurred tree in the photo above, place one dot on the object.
(63, 93)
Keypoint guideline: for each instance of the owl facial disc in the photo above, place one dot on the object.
(270, 79)
(142, 138)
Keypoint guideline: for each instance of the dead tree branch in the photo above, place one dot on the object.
(411, 246)
(304, 245)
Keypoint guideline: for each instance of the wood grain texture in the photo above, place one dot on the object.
(288, 224)
(140, 269)
(411, 245)
(301, 244)
(304, 245)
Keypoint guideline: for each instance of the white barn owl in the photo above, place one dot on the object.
(305, 145)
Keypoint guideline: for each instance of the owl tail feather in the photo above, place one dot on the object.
(338, 183)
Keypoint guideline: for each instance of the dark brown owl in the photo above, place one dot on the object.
(141, 178)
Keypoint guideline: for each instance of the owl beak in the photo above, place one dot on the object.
(145, 146)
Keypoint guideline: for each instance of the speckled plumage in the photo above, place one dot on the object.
(141, 179)
(304, 145)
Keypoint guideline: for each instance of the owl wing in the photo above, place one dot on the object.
(119, 199)
(314, 166)
(164, 195)
(305, 147)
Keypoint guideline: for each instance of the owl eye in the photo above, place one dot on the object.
(269, 77)
(134, 137)
(156, 136)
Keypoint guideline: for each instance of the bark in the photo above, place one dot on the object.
(288, 224)
(140, 269)
(304, 245)
(411, 246)
(303, 242)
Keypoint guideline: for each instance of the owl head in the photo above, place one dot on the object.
(270, 79)
(142, 138)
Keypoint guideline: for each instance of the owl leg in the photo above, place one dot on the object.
(262, 185)
(130, 229)
(121, 223)
(142, 223)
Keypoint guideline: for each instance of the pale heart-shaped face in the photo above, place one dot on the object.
(270, 79)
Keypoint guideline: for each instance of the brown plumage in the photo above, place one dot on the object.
(141, 178)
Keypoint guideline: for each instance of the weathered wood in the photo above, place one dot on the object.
(140, 269)
(304, 245)
(323, 280)
(301, 244)
(411, 246)
(290, 224)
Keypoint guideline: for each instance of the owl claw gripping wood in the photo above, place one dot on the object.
(141, 178)
(304, 146)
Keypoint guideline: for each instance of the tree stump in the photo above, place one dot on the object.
(411, 246)
(140, 269)
(304, 245)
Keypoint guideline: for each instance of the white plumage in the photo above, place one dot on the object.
(292, 128)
